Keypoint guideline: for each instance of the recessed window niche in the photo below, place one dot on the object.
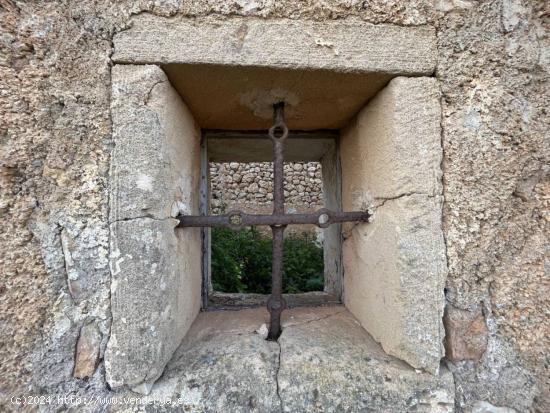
(359, 99)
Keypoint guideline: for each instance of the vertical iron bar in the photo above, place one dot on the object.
(276, 303)
(278, 179)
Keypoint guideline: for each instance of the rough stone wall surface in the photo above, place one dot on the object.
(235, 185)
(55, 137)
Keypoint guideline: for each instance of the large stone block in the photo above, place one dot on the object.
(394, 275)
(395, 143)
(340, 46)
(223, 365)
(395, 266)
(155, 267)
(330, 364)
(155, 296)
(156, 156)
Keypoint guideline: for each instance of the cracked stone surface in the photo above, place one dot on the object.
(323, 361)
(223, 365)
(155, 268)
(395, 266)
(150, 175)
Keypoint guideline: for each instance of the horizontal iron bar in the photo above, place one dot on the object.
(237, 219)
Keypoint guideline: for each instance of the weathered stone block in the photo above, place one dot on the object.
(330, 364)
(396, 142)
(340, 46)
(155, 296)
(394, 270)
(222, 365)
(324, 361)
(155, 268)
(465, 334)
(395, 266)
(156, 156)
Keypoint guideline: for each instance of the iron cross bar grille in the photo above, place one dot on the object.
(277, 221)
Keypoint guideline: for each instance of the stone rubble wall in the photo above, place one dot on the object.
(56, 140)
(249, 186)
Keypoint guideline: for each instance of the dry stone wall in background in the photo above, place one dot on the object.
(249, 186)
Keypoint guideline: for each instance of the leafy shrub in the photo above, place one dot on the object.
(241, 262)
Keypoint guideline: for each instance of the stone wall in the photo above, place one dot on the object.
(56, 141)
(249, 186)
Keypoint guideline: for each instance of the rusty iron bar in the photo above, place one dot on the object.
(276, 303)
(237, 220)
(278, 221)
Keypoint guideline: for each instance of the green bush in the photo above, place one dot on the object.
(241, 262)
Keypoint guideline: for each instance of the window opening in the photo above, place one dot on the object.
(278, 221)
(241, 260)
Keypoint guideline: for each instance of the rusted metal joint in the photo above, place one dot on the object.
(279, 131)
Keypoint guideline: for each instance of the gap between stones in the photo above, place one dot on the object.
(277, 369)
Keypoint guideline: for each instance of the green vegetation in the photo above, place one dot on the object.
(241, 262)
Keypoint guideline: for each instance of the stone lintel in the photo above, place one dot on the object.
(339, 46)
